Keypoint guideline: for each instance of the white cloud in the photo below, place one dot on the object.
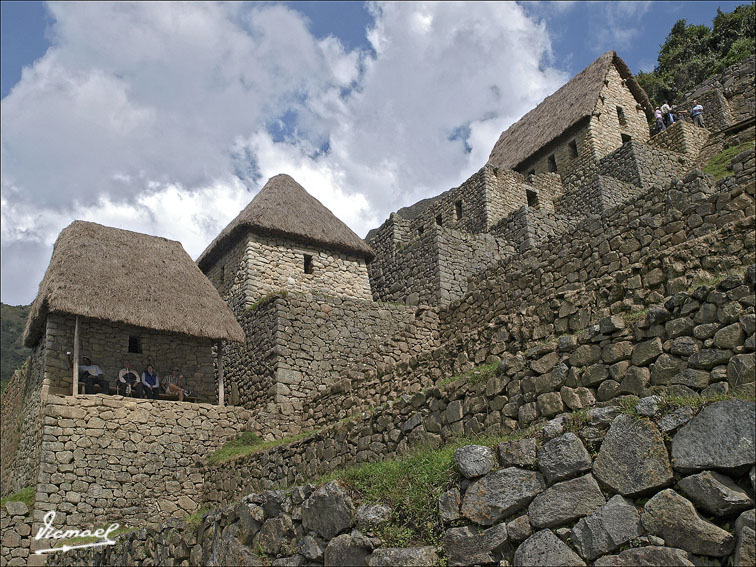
(157, 117)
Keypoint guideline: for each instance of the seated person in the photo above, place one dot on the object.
(129, 383)
(173, 384)
(150, 383)
(92, 374)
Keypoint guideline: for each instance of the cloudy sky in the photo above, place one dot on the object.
(168, 118)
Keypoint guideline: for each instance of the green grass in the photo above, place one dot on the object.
(635, 316)
(714, 279)
(248, 443)
(268, 297)
(25, 495)
(718, 166)
(194, 519)
(475, 376)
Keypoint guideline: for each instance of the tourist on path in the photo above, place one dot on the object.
(696, 113)
(150, 383)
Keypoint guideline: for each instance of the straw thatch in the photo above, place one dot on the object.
(126, 277)
(284, 208)
(561, 111)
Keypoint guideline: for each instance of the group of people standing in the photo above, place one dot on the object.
(131, 383)
(665, 117)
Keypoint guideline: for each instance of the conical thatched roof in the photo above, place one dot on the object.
(562, 110)
(284, 208)
(127, 277)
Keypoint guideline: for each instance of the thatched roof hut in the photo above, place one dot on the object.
(284, 208)
(126, 277)
(562, 110)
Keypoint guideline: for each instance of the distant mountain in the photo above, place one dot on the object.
(12, 351)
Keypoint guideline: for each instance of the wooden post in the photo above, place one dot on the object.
(221, 401)
(76, 358)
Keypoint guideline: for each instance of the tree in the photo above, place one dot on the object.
(692, 53)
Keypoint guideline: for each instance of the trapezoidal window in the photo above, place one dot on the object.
(458, 210)
(621, 116)
(626, 137)
(573, 148)
(307, 264)
(552, 163)
(439, 220)
(420, 230)
(223, 275)
(135, 344)
(532, 199)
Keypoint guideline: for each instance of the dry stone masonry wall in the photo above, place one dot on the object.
(112, 459)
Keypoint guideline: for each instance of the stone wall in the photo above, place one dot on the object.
(699, 343)
(107, 344)
(16, 530)
(20, 435)
(111, 459)
(530, 227)
(625, 240)
(320, 342)
(643, 165)
(606, 127)
(228, 275)
(682, 137)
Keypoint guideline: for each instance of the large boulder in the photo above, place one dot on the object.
(674, 519)
(544, 548)
(650, 556)
(721, 436)
(328, 511)
(500, 494)
(474, 460)
(409, 556)
(276, 536)
(562, 458)
(344, 550)
(633, 459)
(745, 551)
(473, 546)
(565, 501)
(615, 523)
(715, 493)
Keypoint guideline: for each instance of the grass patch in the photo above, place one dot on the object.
(248, 443)
(475, 376)
(718, 166)
(25, 495)
(635, 316)
(713, 280)
(670, 403)
(194, 519)
(267, 298)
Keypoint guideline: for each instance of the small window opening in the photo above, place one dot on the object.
(573, 149)
(420, 230)
(552, 163)
(223, 275)
(135, 344)
(532, 199)
(438, 220)
(458, 209)
(626, 138)
(621, 116)
(307, 264)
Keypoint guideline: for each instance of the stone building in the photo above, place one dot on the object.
(296, 278)
(582, 150)
(125, 295)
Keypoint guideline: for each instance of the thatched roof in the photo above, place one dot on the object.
(562, 110)
(126, 277)
(284, 208)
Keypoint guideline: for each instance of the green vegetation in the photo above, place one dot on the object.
(691, 53)
(267, 298)
(12, 351)
(194, 519)
(719, 165)
(475, 376)
(248, 443)
(25, 495)
(635, 316)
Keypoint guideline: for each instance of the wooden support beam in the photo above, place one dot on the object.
(76, 358)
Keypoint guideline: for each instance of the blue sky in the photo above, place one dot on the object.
(168, 118)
